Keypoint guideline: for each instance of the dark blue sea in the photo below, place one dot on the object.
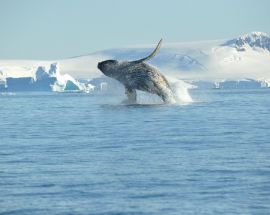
(90, 154)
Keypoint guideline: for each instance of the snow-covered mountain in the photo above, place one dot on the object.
(242, 62)
(253, 40)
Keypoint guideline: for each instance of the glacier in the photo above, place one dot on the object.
(241, 62)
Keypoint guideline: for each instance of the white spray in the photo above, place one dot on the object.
(180, 90)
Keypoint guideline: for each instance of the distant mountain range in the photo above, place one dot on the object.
(242, 62)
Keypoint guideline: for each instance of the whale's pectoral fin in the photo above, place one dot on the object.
(131, 94)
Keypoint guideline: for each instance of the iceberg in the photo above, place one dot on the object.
(233, 84)
(3, 85)
(25, 78)
(66, 83)
(40, 80)
(239, 84)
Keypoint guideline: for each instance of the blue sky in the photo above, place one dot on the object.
(55, 29)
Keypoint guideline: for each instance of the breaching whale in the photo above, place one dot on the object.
(138, 75)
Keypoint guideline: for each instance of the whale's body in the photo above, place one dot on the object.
(137, 75)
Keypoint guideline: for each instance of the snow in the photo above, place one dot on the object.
(253, 40)
(206, 63)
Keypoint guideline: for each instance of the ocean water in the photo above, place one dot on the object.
(90, 154)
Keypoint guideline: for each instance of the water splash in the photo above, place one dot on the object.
(180, 90)
(180, 95)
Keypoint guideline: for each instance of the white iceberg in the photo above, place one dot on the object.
(66, 83)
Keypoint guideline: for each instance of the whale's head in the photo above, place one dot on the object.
(108, 67)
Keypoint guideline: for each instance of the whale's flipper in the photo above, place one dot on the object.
(151, 55)
(131, 94)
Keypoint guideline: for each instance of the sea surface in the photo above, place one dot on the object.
(90, 154)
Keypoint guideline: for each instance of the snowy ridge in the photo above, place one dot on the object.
(253, 40)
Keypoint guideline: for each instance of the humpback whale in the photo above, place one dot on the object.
(138, 75)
